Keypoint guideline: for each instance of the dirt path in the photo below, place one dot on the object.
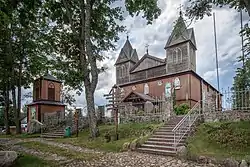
(123, 159)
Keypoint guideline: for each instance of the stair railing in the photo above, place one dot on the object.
(185, 124)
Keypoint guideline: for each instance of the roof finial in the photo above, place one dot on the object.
(127, 35)
(180, 9)
(47, 70)
(147, 48)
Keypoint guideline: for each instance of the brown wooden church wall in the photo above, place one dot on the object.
(195, 88)
(158, 90)
(45, 84)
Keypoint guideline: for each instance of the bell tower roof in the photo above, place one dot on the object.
(127, 53)
(180, 33)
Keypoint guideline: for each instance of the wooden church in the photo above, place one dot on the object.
(46, 98)
(151, 76)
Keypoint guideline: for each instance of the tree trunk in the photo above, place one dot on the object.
(6, 109)
(94, 132)
(18, 111)
(247, 5)
(90, 85)
(13, 92)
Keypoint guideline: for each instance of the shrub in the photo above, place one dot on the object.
(181, 109)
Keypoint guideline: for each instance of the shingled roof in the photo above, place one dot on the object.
(181, 34)
(140, 95)
(50, 78)
(127, 53)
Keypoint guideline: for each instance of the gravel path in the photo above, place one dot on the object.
(123, 159)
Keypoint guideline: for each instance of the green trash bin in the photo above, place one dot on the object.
(67, 132)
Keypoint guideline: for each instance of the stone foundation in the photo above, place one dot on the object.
(141, 119)
(230, 115)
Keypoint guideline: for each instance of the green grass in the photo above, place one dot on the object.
(22, 136)
(221, 140)
(59, 151)
(30, 161)
(127, 133)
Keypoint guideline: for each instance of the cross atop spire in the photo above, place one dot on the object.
(180, 9)
(146, 46)
(127, 35)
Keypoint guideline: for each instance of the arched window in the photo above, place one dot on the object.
(37, 90)
(175, 56)
(51, 91)
(170, 58)
(146, 89)
(123, 71)
(179, 54)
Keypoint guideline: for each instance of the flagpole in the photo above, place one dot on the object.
(216, 54)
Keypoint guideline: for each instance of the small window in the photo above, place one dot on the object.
(51, 91)
(37, 90)
(179, 54)
(146, 89)
(175, 56)
(207, 89)
(37, 93)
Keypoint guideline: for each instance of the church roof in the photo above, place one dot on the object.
(181, 34)
(50, 77)
(161, 61)
(140, 95)
(127, 53)
(57, 103)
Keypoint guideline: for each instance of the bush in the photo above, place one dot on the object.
(181, 109)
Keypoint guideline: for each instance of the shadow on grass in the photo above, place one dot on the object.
(31, 161)
(127, 133)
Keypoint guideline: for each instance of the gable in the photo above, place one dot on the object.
(176, 39)
(147, 62)
(121, 58)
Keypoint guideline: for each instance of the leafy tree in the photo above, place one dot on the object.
(82, 31)
(198, 8)
(23, 49)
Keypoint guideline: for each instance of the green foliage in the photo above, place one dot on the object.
(197, 9)
(181, 109)
(221, 140)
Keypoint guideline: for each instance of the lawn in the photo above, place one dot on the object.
(23, 135)
(221, 140)
(31, 161)
(127, 133)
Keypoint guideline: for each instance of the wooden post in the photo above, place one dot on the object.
(76, 119)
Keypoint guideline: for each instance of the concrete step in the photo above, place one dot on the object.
(156, 151)
(52, 136)
(162, 143)
(155, 139)
(168, 130)
(159, 147)
(168, 136)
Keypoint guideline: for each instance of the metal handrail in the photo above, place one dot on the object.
(187, 118)
(197, 103)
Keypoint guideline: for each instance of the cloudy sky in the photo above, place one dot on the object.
(156, 35)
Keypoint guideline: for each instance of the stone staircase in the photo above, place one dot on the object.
(53, 134)
(162, 141)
